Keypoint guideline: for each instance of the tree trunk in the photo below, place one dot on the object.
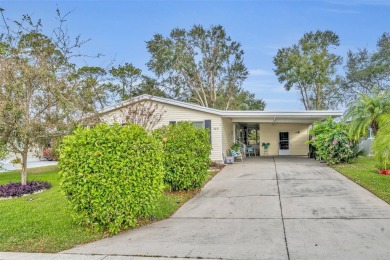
(318, 96)
(24, 168)
(303, 98)
(374, 127)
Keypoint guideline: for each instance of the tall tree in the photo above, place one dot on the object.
(125, 80)
(38, 96)
(149, 86)
(367, 72)
(92, 84)
(310, 67)
(247, 101)
(200, 65)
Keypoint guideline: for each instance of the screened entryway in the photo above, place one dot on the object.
(284, 143)
(248, 135)
(272, 139)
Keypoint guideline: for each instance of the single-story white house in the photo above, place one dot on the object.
(287, 132)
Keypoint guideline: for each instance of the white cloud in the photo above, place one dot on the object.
(259, 72)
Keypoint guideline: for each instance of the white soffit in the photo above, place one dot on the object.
(280, 117)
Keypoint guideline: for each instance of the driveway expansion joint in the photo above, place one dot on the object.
(173, 217)
(244, 196)
(147, 256)
(281, 208)
(313, 196)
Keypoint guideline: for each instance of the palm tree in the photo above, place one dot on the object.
(364, 113)
(381, 143)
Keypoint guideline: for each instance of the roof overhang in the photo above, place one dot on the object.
(299, 116)
(304, 117)
(168, 101)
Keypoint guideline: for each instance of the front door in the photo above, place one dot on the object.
(284, 143)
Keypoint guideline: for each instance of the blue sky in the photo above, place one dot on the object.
(119, 29)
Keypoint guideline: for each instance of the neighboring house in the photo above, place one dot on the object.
(286, 131)
(365, 144)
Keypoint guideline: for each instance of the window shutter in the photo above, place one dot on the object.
(172, 122)
(207, 125)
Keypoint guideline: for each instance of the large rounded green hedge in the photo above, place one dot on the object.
(111, 175)
(186, 155)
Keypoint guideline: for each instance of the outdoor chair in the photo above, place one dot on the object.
(250, 150)
(237, 154)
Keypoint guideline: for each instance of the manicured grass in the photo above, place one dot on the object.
(42, 222)
(364, 172)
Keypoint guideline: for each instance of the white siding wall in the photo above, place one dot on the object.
(176, 113)
(269, 133)
(227, 134)
(116, 116)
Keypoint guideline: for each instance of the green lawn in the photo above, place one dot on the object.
(365, 173)
(42, 222)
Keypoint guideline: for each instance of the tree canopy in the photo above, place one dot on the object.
(367, 72)
(39, 95)
(127, 81)
(310, 67)
(203, 66)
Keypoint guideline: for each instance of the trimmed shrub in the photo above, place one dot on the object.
(186, 155)
(16, 189)
(331, 141)
(111, 175)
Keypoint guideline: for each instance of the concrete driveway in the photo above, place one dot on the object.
(265, 208)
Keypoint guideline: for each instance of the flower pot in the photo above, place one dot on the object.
(384, 172)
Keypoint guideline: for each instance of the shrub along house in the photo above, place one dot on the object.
(287, 132)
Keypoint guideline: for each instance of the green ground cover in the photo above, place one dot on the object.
(364, 171)
(42, 222)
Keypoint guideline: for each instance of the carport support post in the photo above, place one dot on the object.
(234, 132)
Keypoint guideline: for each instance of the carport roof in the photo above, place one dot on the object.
(298, 116)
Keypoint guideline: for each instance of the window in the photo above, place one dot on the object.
(253, 136)
(198, 124)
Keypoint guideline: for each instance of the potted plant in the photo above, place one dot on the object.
(236, 146)
(381, 148)
(265, 145)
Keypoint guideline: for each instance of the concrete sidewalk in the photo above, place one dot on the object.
(38, 256)
(32, 162)
(264, 208)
